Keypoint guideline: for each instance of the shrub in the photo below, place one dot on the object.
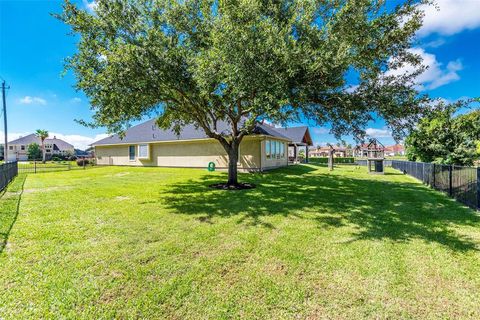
(335, 160)
(82, 162)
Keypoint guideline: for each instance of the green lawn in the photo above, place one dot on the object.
(306, 243)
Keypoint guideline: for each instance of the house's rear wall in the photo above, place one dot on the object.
(193, 154)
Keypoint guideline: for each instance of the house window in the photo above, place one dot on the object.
(143, 151)
(22, 148)
(274, 149)
(10, 147)
(131, 153)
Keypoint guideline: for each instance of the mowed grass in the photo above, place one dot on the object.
(306, 243)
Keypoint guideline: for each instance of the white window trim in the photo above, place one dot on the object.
(148, 151)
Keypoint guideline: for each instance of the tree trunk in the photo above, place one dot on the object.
(232, 165)
(43, 152)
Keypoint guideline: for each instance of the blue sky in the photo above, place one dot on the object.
(33, 45)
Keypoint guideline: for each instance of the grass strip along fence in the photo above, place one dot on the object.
(324, 160)
(8, 171)
(459, 182)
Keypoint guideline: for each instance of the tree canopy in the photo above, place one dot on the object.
(33, 151)
(202, 62)
(444, 137)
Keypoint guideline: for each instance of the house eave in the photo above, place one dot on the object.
(250, 137)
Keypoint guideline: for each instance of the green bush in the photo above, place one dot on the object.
(335, 160)
(82, 162)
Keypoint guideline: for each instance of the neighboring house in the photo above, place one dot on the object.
(17, 149)
(148, 145)
(366, 150)
(300, 139)
(339, 152)
(395, 150)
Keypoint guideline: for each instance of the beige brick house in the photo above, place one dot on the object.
(148, 145)
(17, 149)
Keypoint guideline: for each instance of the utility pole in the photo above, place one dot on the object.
(5, 146)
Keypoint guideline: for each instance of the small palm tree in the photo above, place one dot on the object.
(42, 134)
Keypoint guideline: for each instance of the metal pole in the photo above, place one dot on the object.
(5, 146)
(433, 178)
(450, 182)
(478, 188)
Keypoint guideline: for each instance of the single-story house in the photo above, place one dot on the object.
(148, 145)
(17, 149)
(300, 139)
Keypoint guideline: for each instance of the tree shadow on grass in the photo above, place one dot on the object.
(377, 209)
(9, 208)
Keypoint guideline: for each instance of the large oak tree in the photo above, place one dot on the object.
(201, 62)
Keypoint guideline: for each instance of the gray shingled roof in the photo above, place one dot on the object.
(149, 132)
(295, 134)
(32, 138)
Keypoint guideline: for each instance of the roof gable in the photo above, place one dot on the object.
(297, 134)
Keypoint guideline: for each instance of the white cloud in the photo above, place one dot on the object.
(317, 130)
(33, 100)
(378, 133)
(435, 43)
(76, 100)
(12, 136)
(78, 141)
(351, 88)
(90, 5)
(435, 76)
(449, 17)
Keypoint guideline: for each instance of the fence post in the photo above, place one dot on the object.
(423, 173)
(478, 188)
(433, 178)
(34, 166)
(450, 182)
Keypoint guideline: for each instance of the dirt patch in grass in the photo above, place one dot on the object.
(47, 189)
(121, 174)
(121, 198)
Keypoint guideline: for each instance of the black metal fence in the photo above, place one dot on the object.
(37, 166)
(8, 171)
(461, 183)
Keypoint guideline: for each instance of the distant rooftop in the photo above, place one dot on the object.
(32, 138)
